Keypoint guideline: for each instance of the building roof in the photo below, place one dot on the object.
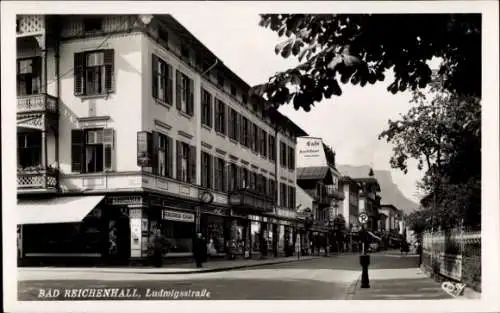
(314, 173)
(370, 181)
(187, 35)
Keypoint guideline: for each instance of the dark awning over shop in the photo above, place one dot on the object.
(56, 210)
(322, 173)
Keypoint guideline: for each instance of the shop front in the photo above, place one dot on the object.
(74, 230)
(243, 226)
(219, 230)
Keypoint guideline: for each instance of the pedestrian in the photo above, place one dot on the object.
(419, 252)
(199, 250)
(158, 245)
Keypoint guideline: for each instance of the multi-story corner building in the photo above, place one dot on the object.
(126, 124)
(318, 176)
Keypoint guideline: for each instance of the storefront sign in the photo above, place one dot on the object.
(237, 214)
(215, 211)
(255, 218)
(310, 152)
(178, 216)
(135, 213)
(286, 213)
(130, 200)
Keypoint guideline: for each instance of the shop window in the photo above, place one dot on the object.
(206, 108)
(29, 149)
(179, 235)
(94, 72)
(29, 76)
(255, 228)
(184, 93)
(215, 232)
(220, 116)
(162, 80)
(92, 150)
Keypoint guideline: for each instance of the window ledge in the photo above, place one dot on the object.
(184, 114)
(162, 103)
(104, 96)
(220, 134)
(209, 128)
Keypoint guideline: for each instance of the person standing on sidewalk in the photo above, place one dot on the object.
(159, 245)
(199, 250)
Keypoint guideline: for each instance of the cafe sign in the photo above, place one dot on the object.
(177, 216)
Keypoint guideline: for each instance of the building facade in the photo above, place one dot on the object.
(128, 124)
(350, 204)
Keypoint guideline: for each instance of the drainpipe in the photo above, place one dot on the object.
(211, 67)
(58, 94)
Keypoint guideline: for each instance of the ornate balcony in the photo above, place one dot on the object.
(333, 193)
(36, 177)
(36, 103)
(250, 200)
(30, 25)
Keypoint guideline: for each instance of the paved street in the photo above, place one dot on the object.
(320, 279)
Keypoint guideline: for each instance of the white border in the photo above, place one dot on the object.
(490, 147)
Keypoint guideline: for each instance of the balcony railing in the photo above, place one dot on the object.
(30, 24)
(36, 103)
(36, 178)
(249, 199)
(333, 193)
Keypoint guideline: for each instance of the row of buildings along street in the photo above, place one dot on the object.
(128, 123)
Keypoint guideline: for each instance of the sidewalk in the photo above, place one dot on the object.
(398, 284)
(184, 268)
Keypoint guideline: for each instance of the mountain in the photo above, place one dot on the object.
(390, 192)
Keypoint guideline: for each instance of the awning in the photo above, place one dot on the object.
(56, 210)
(374, 236)
(315, 173)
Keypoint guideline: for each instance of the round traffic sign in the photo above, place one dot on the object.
(363, 218)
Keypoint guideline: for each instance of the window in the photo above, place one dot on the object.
(185, 55)
(291, 197)
(220, 81)
(220, 116)
(29, 76)
(18, 24)
(206, 108)
(283, 159)
(162, 80)
(251, 137)
(206, 170)
(184, 93)
(162, 165)
(92, 24)
(233, 177)
(245, 178)
(186, 162)
(244, 98)
(244, 139)
(272, 188)
(94, 72)
(252, 182)
(256, 138)
(264, 188)
(92, 150)
(263, 143)
(291, 158)
(220, 174)
(272, 148)
(233, 90)
(29, 149)
(283, 195)
(233, 124)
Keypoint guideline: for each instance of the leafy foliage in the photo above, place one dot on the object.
(359, 48)
(444, 134)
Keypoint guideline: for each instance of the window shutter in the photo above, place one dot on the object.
(236, 126)
(225, 176)
(109, 77)
(204, 170)
(178, 89)
(77, 139)
(190, 100)
(170, 83)
(210, 110)
(108, 141)
(192, 164)
(241, 130)
(154, 156)
(154, 71)
(216, 173)
(79, 62)
(170, 157)
(178, 151)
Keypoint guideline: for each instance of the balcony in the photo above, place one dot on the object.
(333, 193)
(36, 177)
(30, 25)
(252, 201)
(36, 104)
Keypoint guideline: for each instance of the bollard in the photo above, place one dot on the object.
(364, 260)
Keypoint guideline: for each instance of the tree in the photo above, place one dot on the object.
(442, 132)
(360, 48)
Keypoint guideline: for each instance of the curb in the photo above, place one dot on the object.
(352, 288)
(228, 268)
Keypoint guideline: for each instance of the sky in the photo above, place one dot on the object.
(349, 123)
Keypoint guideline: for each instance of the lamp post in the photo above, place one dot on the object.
(364, 258)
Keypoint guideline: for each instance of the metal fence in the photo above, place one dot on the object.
(455, 254)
